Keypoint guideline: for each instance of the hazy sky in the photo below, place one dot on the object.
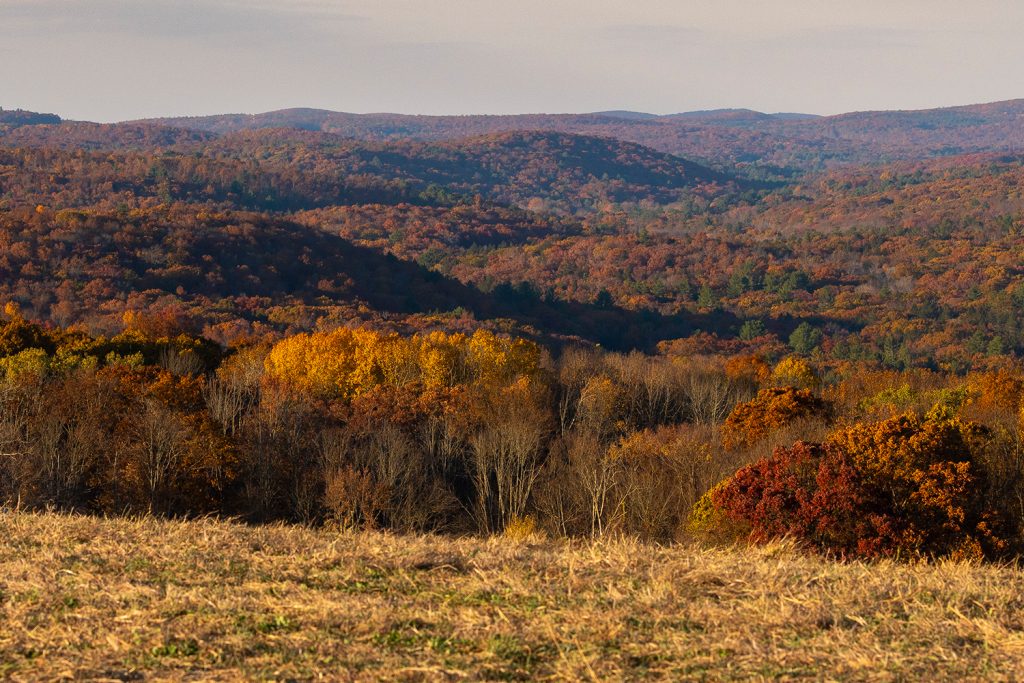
(111, 60)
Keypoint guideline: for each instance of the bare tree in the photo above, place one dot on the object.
(381, 476)
(506, 458)
(156, 449)
(574, 369)
(710, 394)
(228, 401)
(261, 476)
(71, 432)
(15, 417)
(443, 444)
(594, 473)
(181, 362)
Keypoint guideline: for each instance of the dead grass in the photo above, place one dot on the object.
(88, 598)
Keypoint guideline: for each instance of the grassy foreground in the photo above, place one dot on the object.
(91, 599)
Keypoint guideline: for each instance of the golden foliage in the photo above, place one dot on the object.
(795, 372)
(599, 402)
(346, 363)
(522, 529)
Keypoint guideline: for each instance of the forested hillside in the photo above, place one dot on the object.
(548, 323)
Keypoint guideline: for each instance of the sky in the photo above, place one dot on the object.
(112, 60)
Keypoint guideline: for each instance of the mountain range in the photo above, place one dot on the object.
(765, 145)
(721, 137)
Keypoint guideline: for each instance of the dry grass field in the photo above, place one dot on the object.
(88, 598)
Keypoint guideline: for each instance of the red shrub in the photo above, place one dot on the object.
(902, 486)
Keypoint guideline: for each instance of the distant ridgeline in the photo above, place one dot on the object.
(21, 117)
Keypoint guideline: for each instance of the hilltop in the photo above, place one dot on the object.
(15, 118)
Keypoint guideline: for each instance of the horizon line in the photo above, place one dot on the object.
(609, 111)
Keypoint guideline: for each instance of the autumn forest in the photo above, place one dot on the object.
(721, 326)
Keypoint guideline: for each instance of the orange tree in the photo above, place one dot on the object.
(772, 409)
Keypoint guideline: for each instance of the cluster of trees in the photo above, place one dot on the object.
(481, 431)
(910, 485)
(435, 431)
(14, 118)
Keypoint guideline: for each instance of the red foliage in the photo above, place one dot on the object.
(902, 486)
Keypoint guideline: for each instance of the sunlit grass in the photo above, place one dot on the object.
(109, 599)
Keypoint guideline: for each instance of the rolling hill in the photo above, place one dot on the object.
(721, 137)
(83, 135)
(289, 169)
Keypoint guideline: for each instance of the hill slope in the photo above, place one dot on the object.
(288, 169)
(571, 171)
(119, 599)
(74, 135)
(238, 270)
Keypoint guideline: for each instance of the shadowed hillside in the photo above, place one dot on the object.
(221, 264)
